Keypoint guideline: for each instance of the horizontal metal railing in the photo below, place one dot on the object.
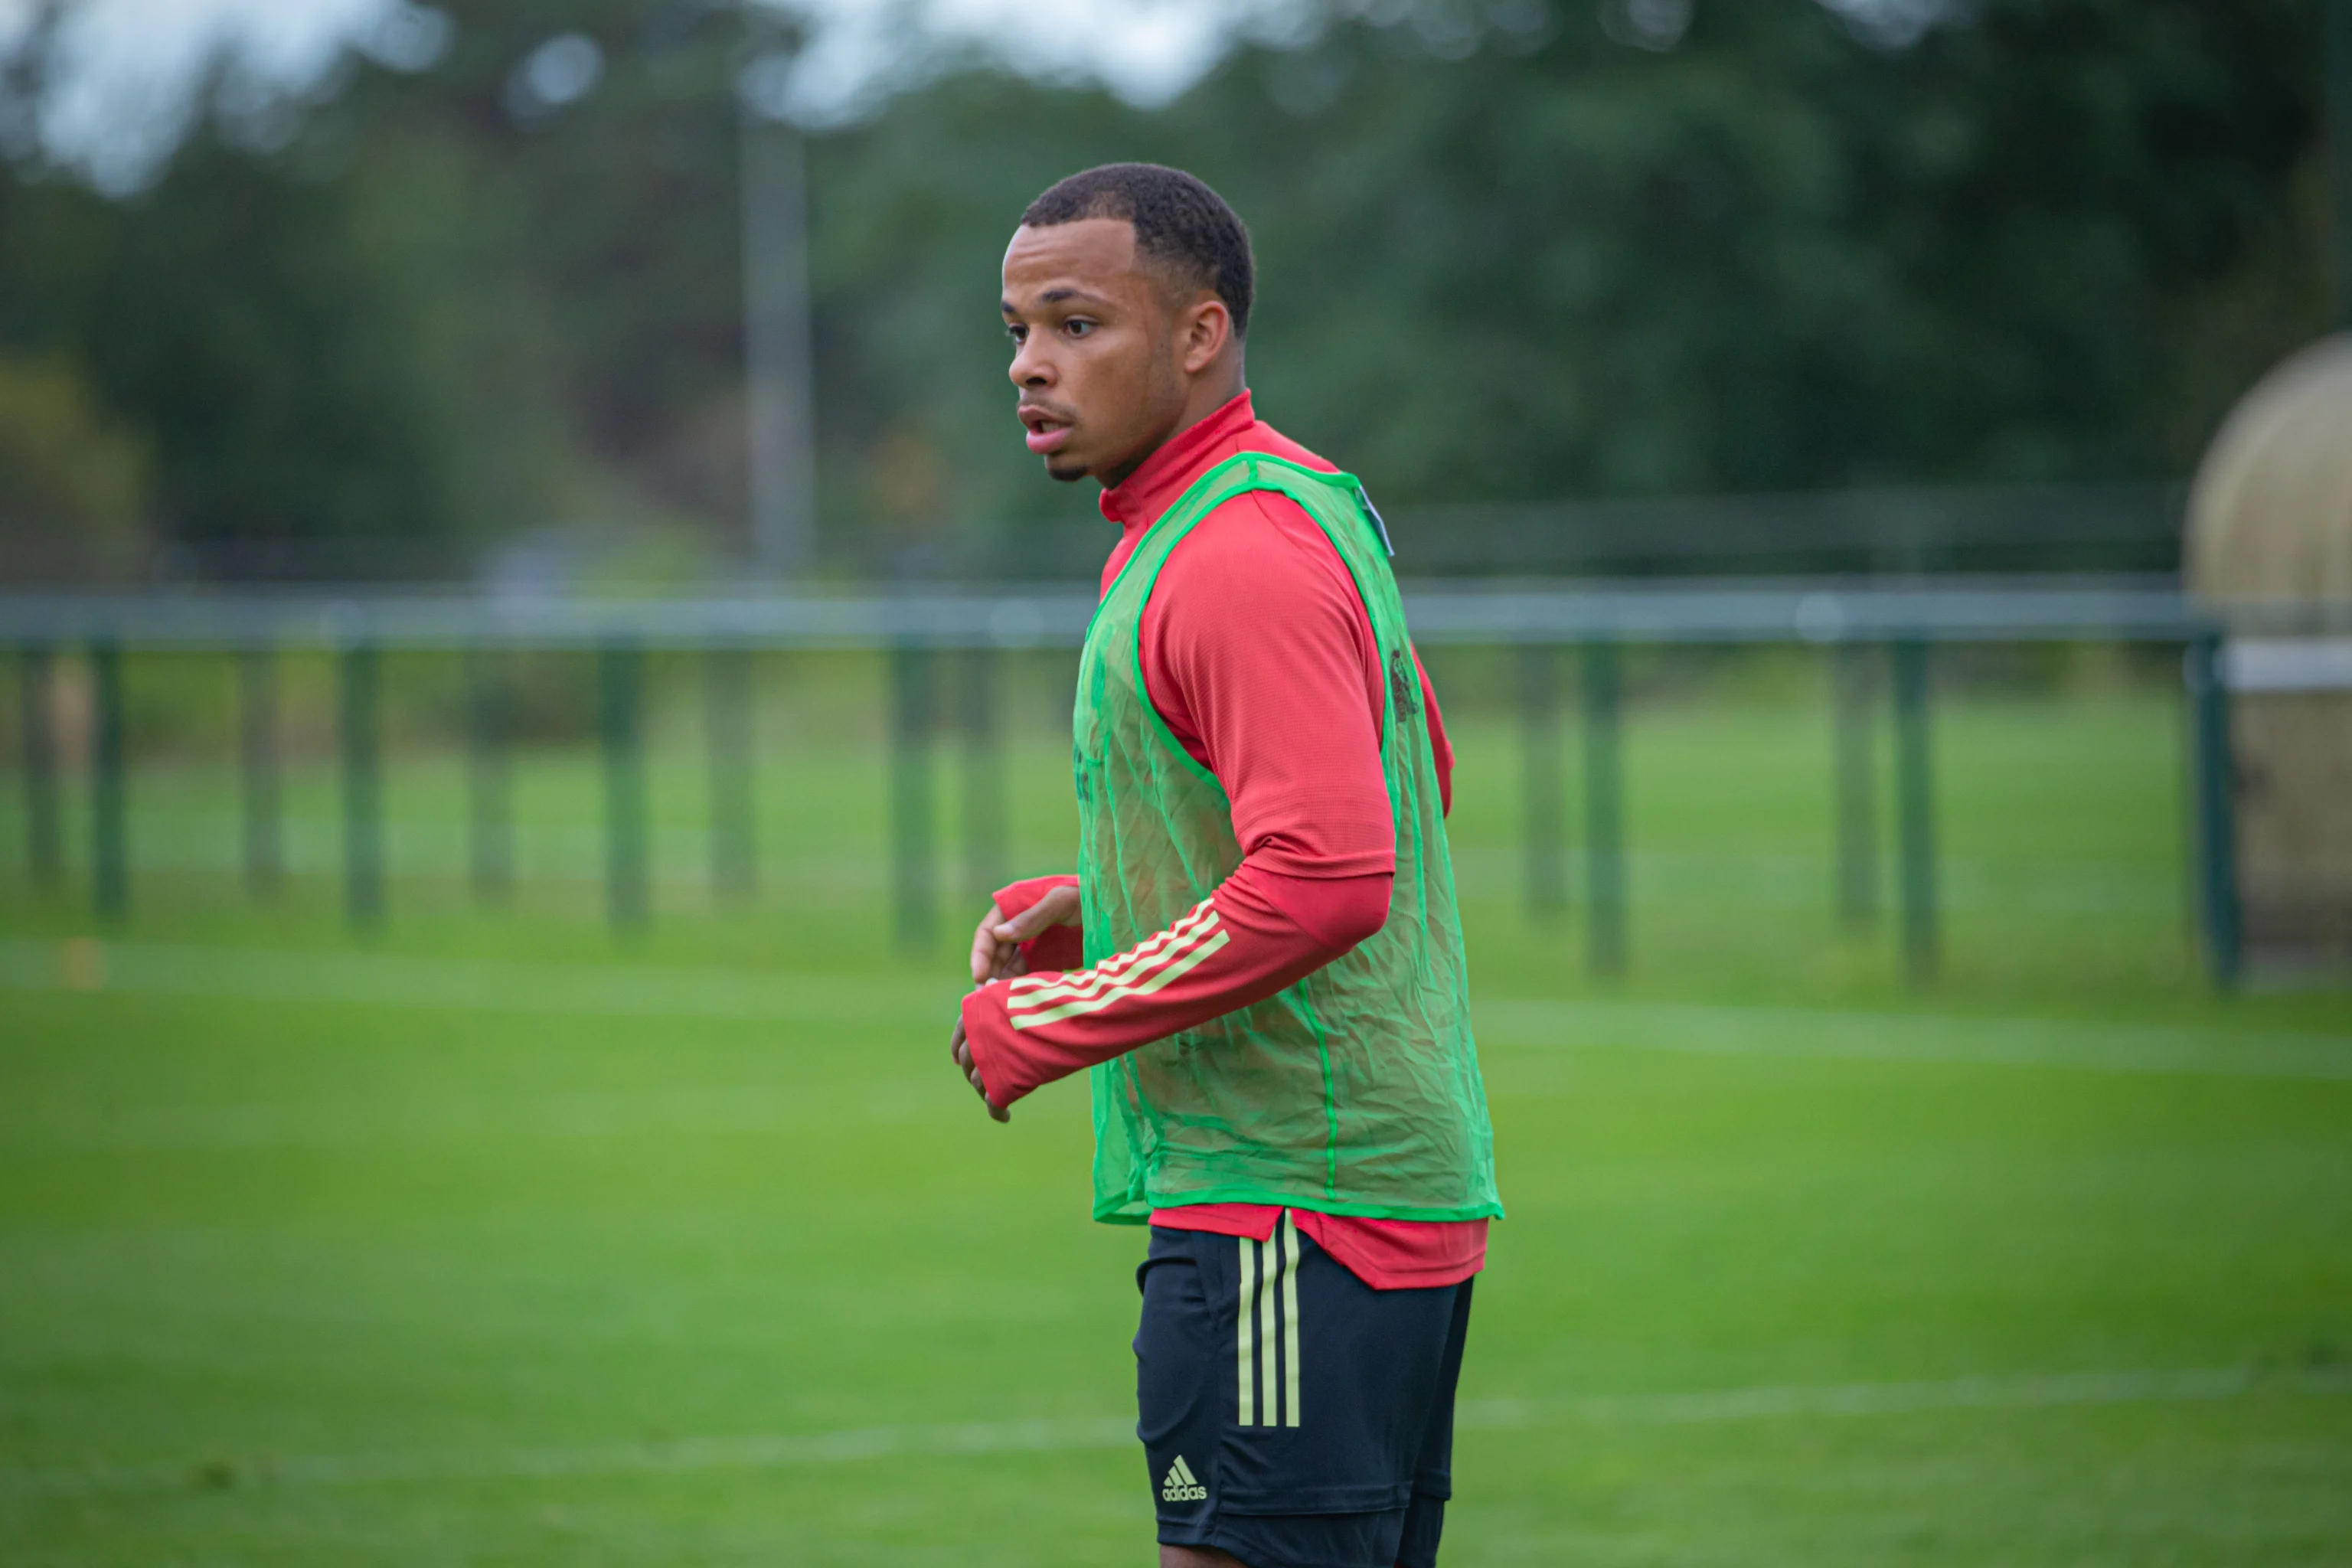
(1857, 624)
(1056, 616)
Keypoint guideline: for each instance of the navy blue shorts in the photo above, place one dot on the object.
(1291, 1415)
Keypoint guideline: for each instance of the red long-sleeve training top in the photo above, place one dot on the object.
(1258, 653)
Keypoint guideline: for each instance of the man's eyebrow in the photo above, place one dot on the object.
(1056, 297)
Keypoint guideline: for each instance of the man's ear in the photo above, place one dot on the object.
(1203, 330)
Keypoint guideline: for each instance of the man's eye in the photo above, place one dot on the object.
(1018, 335)
(1077, 329)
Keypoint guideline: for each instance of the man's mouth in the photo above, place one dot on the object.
(1046, 431)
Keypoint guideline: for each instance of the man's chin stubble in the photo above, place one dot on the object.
(1069, 474)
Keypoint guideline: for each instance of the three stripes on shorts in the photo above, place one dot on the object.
(1265, 1338)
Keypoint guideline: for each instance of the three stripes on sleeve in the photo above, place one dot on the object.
(1140, 971)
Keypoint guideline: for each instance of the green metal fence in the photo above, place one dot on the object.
(944, 651)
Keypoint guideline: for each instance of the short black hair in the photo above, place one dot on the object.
(1178, 222)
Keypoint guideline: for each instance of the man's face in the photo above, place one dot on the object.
(1094, 352)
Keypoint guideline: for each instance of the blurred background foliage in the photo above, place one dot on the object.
(411, 325)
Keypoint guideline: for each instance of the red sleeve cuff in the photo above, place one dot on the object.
(1004, 1076)
(1015, 896)
(1056, 947)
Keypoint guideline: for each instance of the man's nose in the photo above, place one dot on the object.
(1030, 368)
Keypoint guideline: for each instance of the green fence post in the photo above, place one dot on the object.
(36, 691)
(489, 788)
(1543, 782)
(1914, 788)
(913, 877)
(110, 847)
(1856, 788)
(984, 851)
(1604, 823)
(734, 843)
(2213, 799)
(621, 688)
(357, 677)
(256, 735)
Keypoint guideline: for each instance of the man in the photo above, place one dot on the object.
(1259, 959)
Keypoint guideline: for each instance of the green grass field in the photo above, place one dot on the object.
(493, 1240)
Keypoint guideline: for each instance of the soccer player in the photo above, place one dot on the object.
(1259, 959)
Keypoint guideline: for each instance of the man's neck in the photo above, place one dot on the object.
(1199, 405)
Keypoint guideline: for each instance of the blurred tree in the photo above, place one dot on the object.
(237, 317)
(1508, 250)
(1770, 256)
(72, 489)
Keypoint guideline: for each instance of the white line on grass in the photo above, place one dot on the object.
(383, 980)
(2199, 1385)
(263, 1127)
(1708, 1030)
(784, 1451)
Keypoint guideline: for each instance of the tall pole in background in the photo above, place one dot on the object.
(2338, 50)
(780, 400)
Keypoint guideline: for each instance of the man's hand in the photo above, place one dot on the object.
(997, 944)
(995, 956)
(960, 1049)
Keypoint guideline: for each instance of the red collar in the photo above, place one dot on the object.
(1139, 501)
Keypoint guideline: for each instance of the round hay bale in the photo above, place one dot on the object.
(2270, 530)
(2270, 517)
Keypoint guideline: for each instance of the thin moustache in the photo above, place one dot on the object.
(1049, 410)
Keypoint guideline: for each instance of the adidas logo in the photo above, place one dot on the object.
(1179, 1486)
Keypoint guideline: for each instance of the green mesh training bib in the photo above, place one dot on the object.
(1355, 1092)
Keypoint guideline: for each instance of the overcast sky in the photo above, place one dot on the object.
(130, 65)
